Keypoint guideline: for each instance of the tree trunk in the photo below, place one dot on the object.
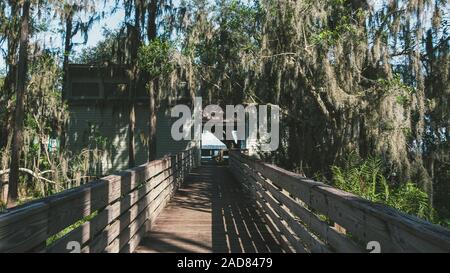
(152, 14)
(134, 37)
(153, 119)
(9, 83)
(67, 51)
(67, 46)
(131, 137)
(153, 85)
(19, 111)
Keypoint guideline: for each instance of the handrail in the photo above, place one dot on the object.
(108, 215)
(309, 216)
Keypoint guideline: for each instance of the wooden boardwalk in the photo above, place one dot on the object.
(143, 210)
(210, 213)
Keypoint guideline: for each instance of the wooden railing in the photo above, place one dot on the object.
(308, 216)
(109, 215)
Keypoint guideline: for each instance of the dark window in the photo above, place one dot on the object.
(85, 90)
(116, 90)
(142, 92)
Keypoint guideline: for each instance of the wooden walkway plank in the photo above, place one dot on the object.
(210, 214)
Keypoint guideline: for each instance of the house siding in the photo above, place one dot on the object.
(111, 124)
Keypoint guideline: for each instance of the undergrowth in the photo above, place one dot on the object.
(368, 178)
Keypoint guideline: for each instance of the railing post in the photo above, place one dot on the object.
(198, 156)
(181, 162)
(173, 170)
(189, 160)
(179, 169)
(4, 188)
(195, 159)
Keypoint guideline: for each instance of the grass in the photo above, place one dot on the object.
(69, 229)
(446, 223)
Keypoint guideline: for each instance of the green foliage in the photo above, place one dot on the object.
(412, 200)
(341, 26)
(362, 177)
(110, 49)
(403, 100)
(239, 25)
(154, 58)
(332, 36)
(69, 229)
(45, 114)
(367, 179)
(224, 46)
(323, 61)
(402, 90)
(446, 223)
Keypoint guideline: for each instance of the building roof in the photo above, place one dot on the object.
(211, 142)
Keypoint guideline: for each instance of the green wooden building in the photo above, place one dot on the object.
(99, 101)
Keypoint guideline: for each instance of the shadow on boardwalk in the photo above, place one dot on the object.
(210, 213)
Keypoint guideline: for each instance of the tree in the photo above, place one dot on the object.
(74, 25)
(17, 140)
(154, 59)
(9, 39)
(350, 76)
(144, 11)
